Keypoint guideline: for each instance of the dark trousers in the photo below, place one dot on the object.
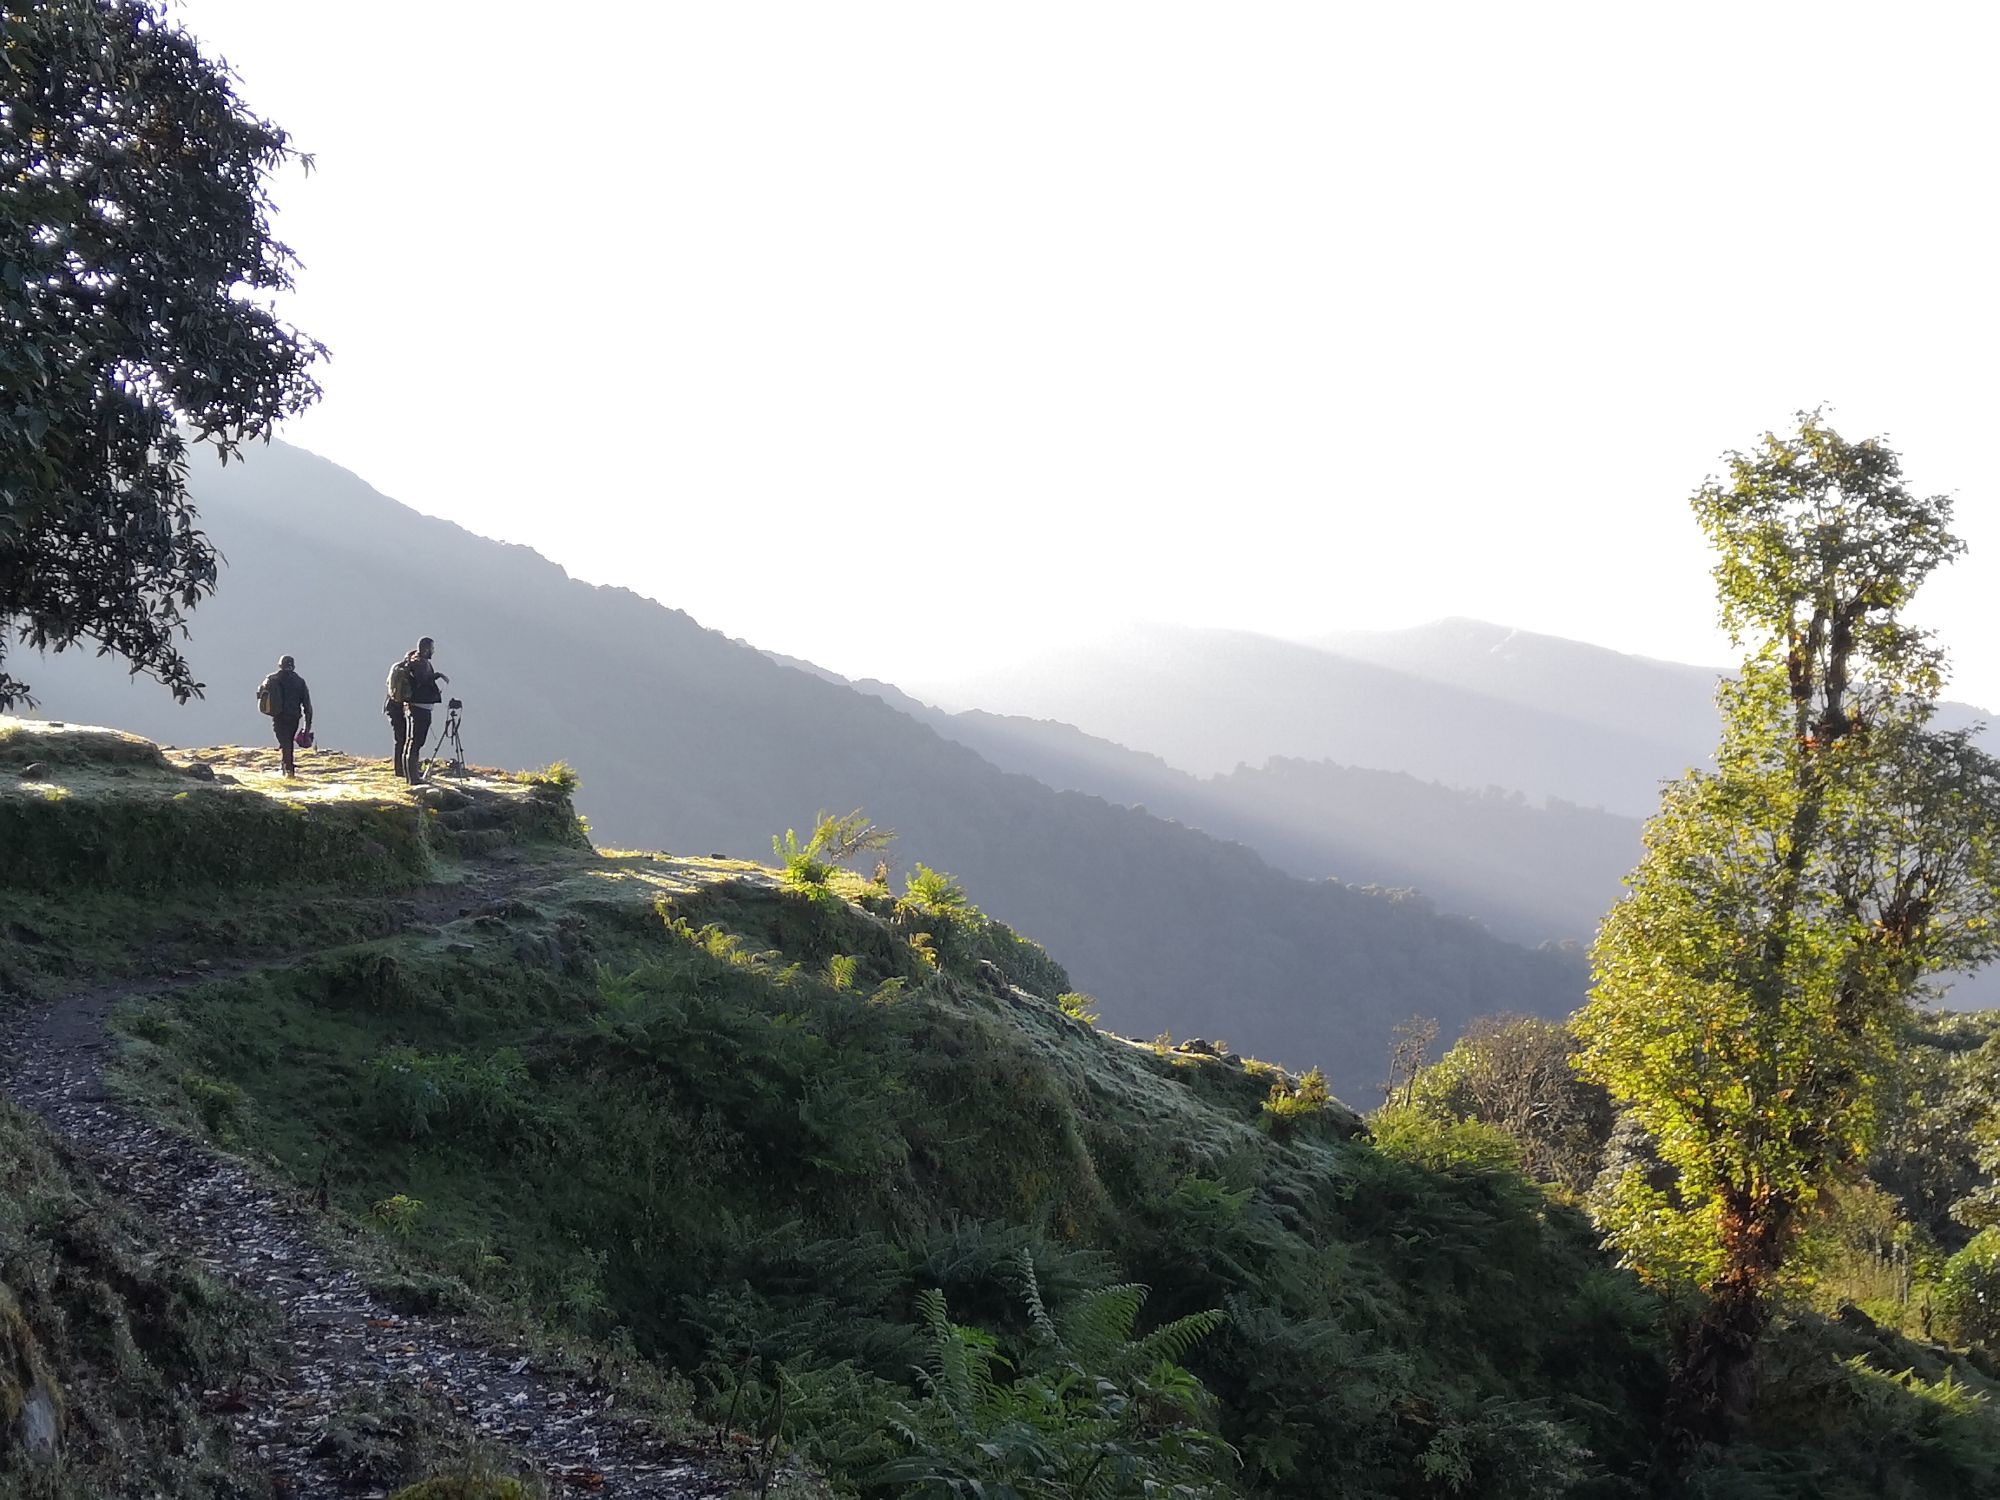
(285, 726)
(419, 731)
(399, 727)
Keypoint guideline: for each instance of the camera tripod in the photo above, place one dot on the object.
(448, 739)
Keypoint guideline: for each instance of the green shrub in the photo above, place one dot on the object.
(808, 867)
(1086, 1409)
(934, 891)
(1078, 1007)
(219, 1106)
(412, 1095)
(1969, 1291)
(398, 1213)
(1310, 1096)
(559, 774)
(844, 838)
(1287, 1107)
(1413, 1134)
(1515, 1072)
(1845, 1412)
(1511, 1448)
(801, 866)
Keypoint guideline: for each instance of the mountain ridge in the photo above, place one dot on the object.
(687, 740)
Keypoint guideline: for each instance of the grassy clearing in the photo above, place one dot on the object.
(92, 810)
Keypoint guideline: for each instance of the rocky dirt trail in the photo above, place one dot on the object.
(340, 1339)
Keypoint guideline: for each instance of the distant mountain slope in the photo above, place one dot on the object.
(1210, 700)
(1532, 873)
(690, 741)
(1462, 702)
(1667, 702)
(1533, 869)
(1057, 755)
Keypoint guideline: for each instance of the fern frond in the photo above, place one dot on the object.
(1099, 1326)
(1031, 1293)
(1171, 1342)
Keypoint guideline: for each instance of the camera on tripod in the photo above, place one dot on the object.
(448, 742)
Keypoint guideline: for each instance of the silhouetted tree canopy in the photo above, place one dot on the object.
(137, 267)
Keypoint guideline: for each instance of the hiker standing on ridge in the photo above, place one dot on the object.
(286, 698)
(401, 685)
(423, 695)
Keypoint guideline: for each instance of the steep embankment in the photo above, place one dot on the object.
(695, 743)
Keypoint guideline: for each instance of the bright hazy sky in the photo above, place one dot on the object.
(897, 335)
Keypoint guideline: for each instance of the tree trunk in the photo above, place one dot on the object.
(1714, 1379)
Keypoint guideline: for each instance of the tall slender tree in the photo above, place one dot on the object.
(1790, 904)
(137, 268)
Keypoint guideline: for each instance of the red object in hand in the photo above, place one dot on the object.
(303, 739)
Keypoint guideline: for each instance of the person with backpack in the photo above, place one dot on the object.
(395, 706)
(413, 691)
(285, 697)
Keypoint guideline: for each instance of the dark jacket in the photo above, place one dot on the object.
(290, 697)
(424, 682)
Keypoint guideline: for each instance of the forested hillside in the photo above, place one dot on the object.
(1532, 872)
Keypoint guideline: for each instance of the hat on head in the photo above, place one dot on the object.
(284, 661)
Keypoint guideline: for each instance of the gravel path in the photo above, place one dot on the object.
(341, 1338)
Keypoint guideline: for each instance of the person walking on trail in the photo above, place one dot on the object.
(286, 698)
(413, 691)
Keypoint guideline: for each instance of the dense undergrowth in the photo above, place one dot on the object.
(855, 1167)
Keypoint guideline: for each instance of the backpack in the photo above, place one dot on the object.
(264, 703)
(402, 686)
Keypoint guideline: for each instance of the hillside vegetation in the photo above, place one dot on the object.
(791, 1136)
